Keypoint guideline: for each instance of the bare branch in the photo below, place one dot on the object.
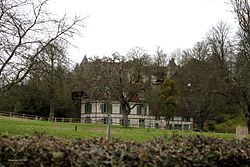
(24, 35)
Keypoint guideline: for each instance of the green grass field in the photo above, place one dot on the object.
(230, 123)
(22, 127)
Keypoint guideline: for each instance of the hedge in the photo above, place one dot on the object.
(41, 150)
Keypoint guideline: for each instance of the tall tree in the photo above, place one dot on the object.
(133, 78)
(51, 66)
(201, 78)
(221, 48)
(240, 84)
(200, 50)
(160, 64)
(168, 103)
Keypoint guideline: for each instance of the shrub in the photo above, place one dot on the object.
(211, 127)
(219, 119)
(42, 150)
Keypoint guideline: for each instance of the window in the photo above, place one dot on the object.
(177, 127)
(105, 108)
(138, 110)
(186, 127)
(105, 120)
(186, 118)
(145, 110)
(142, 123)
(141, 110)
(121, 112)
(157, 117)
(157, 125)
(121, 122)
(88, 108)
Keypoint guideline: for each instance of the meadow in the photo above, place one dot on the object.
(32, 142)
(22, 127)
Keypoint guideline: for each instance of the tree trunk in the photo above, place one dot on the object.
(125, 120)
(51, 103)
(125, 112)
(51, 88)
(51, 112)
(200, 125)
(108, 129)
(167, 119)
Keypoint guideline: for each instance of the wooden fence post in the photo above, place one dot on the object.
(241, 132)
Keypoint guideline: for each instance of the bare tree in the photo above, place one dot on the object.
(132, 77)
(117, 78)
(49, 63)
(201, 50)
(26, 29)
(241, 8)
(240, 86)
(220, 47)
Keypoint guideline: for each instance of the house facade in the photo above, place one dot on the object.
(96, 111)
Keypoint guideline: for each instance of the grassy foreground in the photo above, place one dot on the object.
(230, 123)
(22, 127)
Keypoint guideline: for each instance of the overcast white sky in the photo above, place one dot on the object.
(119, 25)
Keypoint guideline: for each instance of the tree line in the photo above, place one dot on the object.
(37, 76)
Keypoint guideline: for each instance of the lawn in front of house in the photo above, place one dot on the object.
(21, 127)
